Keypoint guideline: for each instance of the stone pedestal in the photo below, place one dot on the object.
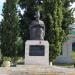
(36, 52)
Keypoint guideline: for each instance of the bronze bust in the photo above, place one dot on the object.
(37, 28)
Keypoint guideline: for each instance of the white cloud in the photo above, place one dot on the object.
(1, 1)
(73, 5)
(1, 17)
(22, 11)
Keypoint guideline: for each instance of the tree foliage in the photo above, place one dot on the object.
(68, 17)
(53, 21)
(9, 28)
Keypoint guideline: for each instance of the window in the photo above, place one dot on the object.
(73, 46)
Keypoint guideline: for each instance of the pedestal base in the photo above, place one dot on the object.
(36, 52)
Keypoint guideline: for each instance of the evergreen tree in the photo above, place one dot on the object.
(10, 28)
(68, 17)
(53, 21)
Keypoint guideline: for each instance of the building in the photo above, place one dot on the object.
(68, 48)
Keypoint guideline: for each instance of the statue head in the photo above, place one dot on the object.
(37, 16)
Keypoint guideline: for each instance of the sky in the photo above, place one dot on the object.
(73, 6)
(1, 6)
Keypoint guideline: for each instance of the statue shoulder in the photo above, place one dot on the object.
(37, 23)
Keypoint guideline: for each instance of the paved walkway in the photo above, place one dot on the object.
(36, 70)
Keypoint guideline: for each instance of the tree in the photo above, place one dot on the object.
(19, 47)
(68, 18)
(10, 28)
(57, 17)
(53, 21)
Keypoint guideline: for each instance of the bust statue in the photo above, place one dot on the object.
(37, 28)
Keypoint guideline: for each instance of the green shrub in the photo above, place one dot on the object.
(6, 59)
